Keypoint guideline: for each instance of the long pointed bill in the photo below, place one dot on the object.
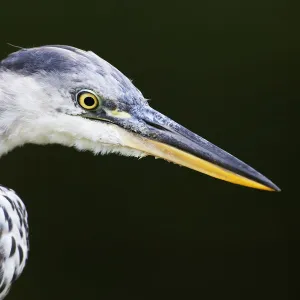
(157, 135)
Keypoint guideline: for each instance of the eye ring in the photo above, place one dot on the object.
(87, 99)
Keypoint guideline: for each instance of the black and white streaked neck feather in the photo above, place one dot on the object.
(14, 243)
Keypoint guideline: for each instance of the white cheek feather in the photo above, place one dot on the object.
(71, 131)
(83, 134)
(31, 116)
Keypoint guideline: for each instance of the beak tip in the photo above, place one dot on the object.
(276, 188)
(272, 187)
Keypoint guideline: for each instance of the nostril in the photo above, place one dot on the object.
(156, 126)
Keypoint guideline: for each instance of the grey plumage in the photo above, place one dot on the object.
(70, 62)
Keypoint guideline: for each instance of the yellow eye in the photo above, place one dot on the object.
(87, 100)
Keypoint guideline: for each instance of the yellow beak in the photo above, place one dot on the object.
(155, 134)
(188, 160)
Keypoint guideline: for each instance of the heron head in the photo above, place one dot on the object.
(60, 94)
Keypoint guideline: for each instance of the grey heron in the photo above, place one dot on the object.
(64, 95)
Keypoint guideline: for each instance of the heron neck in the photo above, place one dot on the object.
(10, 111)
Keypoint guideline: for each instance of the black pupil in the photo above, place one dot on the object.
(89, 101)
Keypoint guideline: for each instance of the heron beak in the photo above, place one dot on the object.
(155, 134)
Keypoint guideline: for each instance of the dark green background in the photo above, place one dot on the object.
(121, 228)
